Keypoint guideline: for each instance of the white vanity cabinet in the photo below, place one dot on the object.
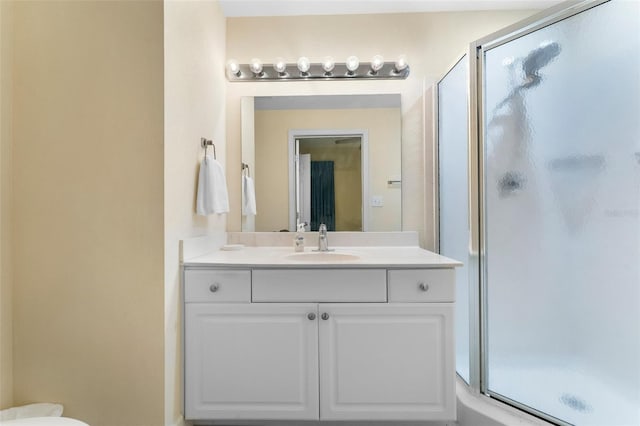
(386, 362)
(277, 344)
(249, 361)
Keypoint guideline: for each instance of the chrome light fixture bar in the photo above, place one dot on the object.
(303, 70)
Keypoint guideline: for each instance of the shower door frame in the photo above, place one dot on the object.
(479, 372)
(474, 353)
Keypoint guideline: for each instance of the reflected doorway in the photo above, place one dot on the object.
(329, 181)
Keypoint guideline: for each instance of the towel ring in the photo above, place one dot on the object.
(206, 143)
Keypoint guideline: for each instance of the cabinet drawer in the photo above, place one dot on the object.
(422, 285)
(217, 286)
(319, 285)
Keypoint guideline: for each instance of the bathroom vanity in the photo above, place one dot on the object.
(360, 333)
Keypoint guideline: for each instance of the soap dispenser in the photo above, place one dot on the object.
(298, 241)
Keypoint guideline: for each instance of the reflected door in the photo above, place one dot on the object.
(304, 190)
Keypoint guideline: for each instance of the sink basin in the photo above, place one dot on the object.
(325, 256)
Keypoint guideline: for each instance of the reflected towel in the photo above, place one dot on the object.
(248, 197)
(212, 188)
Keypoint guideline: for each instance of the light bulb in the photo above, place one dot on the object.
(352, 64)
(328, 64)
(377, 63)
(280, 65)
(256, 66)
(304, 64)
(233, 67)
(401, 63)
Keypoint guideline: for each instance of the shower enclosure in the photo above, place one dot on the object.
(451, 93)
(551, 168)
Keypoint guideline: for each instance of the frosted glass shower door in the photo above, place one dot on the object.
(561, 188)
(453, 194)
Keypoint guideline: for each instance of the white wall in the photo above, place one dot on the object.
(430, 40)
(6, 298)
(194, 86)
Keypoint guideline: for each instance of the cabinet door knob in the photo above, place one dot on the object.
(311, 316)
(325, 316)
(423, 286)
(214, 287)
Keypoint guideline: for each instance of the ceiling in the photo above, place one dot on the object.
(240, 8)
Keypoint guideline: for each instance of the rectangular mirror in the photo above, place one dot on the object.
(322, 159)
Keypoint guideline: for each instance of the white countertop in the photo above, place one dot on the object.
(280, 257)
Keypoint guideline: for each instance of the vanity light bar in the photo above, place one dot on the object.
(305, 71)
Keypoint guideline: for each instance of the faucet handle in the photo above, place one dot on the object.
(322, 228)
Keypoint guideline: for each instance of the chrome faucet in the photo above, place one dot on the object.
(323, 243)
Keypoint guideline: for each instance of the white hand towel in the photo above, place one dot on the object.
(212, 188)
(248, 197)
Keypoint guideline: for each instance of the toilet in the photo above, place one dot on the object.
(43, 421)
(38, 414)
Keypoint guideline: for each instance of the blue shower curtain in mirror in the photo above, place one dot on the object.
(323, 197)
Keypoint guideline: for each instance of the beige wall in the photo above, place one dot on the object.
(88, 209)
(6, 299)
(432, 42)
(194, 36)
(272, 170)
(81, 174)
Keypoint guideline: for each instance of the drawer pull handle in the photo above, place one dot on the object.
(214, 287)
(311, 316)
(423, 286)
(325, 316)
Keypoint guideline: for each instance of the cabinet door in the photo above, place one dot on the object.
(387, 362)
(247, 361)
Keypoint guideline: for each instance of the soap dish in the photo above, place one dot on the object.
(231, 247)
